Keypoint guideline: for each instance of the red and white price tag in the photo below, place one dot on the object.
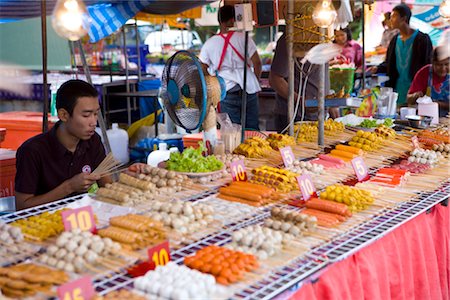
(80, 289)
(160, 254)
(360, 168)
(415, 142)
(287, 155)
(82, 218)
(306, 186)
(238, 172)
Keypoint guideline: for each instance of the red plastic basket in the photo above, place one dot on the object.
(254, 133)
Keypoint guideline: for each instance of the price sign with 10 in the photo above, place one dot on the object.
(238, 172)
(306, 186)
(160, 254)
(81, 218)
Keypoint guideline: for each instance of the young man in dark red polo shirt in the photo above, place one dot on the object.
(58, 163)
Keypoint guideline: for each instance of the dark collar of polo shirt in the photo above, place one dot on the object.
(60, 151)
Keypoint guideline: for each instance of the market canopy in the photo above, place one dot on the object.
(106, 16)
(172, 19)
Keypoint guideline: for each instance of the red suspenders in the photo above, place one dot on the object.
(225, 46)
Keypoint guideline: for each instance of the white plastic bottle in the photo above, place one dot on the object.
(157, 156)
(118, 140)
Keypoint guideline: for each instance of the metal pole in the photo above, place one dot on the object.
(291, 74)
(101, 121)
(44, 64)
(73, 61)
(363, 84)
(87, 72)
(127, 74)
(138, 49)
(244, 91)
(321, 97)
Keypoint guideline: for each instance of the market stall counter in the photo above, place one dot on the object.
(257, 238)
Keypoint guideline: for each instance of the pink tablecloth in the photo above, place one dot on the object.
(412, 262)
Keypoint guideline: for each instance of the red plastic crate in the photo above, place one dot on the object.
(21, 125)
(2, 135)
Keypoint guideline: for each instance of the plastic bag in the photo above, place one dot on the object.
(368, 107)
(230, 133)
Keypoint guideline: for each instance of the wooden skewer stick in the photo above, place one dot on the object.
(316, 235)
(113, 172)
(108, 264)
(92, 268)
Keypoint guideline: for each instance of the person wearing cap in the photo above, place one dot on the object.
(433, 80)
(223, 54)
(59, 163)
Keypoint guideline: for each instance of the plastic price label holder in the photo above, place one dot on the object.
(306, 186)
(160, 254)
(238, 172)
(360, 168)
(81, 218)
(287, 155)
(80, 289)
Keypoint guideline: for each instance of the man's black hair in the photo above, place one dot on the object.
(226, 13)
(69, 92)
(404, 11)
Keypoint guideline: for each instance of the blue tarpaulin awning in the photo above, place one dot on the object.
(106, 16)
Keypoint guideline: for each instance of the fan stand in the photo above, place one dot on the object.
(210, 122)
(210, 126)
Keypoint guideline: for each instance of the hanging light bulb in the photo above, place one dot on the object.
(444, 9)
(324, 14)
(70, 19)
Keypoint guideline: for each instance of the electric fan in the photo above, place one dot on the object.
(191, 96)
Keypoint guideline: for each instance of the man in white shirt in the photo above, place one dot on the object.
(224, 54)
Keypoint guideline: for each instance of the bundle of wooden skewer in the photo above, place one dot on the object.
(109, 166)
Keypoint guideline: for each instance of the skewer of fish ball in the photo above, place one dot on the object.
(10, 234)
(257, 240)
(163, 178)
(173, 281)
(76, 250)
(181, 216)
(303, 221)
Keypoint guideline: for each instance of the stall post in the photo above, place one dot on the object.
(101, 121)
(291, 74)
(244, 91)
(44, 64)
(321, 96)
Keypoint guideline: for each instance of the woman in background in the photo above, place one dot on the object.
(351, 51)
(433, 80)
